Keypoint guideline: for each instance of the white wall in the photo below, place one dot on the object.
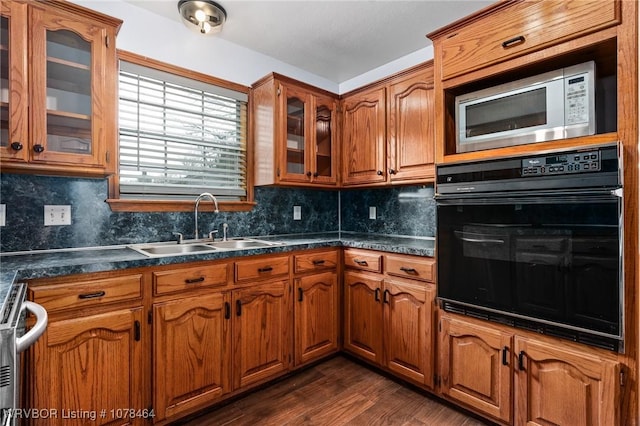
(157, 37)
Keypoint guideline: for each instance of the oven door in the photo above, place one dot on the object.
(551, 258)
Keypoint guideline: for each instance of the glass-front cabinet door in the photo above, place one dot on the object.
(13, 85)
(67, 89)
(323, 150)
(295, 107)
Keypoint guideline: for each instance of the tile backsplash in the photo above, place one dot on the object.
(400, 211)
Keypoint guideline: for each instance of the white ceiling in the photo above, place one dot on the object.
(336, 40)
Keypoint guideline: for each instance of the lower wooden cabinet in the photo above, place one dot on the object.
(89, 364)
(388, 322)
(191, 353)
(552, 384)
(262, 331)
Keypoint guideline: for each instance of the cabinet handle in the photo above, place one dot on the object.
(95, 295)
(376, 295)
(505, 350)
(227, 310)
(316, 174)
(408, 270)
(308, 174)
(194, 280)
(136, 330)
(379, 172)
(385, 298)
(38, 148)
(392, 171)
(318, 262)
(521, 360)
(238, 308)
(513, 41)
(300, 291)
(265, 269)
(361, 262)
(16, 146)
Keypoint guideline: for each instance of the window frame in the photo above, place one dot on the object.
(118, 204)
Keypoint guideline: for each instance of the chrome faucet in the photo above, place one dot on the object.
(225, 227)
(195, 212)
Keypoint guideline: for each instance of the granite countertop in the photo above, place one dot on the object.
(52, 263)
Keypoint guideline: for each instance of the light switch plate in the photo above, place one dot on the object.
(3, 215)
(297, 213)
(372, 212)
(57, 215)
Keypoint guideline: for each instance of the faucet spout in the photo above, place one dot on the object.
(195, 211)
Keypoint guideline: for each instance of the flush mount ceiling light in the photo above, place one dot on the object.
(202, 16)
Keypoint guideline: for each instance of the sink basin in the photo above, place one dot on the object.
(173, 249)
(239, 244)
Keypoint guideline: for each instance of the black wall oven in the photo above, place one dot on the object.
(535, 242)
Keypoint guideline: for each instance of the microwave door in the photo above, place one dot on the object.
(526, 115)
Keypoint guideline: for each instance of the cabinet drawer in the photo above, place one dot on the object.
(520, 28)
(364, 260)
(79, 294)
(262, 268)
(188, 278)
(410, 267)
(316, 261)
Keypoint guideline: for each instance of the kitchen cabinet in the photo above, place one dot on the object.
(295, 133)
(57, 112)
(316, 306)
(91, 356)
(191, 353)
(388, 131)
(552, 383)
(388, 320)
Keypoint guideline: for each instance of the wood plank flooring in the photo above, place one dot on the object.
(334, 393)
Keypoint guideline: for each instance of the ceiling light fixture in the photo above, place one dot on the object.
(202, 16)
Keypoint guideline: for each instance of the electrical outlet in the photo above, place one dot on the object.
(297, 213)
(57, 215)
(372, 213)
(3, 214)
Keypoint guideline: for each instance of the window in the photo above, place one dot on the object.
(180, 136)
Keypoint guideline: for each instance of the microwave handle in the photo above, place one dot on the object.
(22, 343)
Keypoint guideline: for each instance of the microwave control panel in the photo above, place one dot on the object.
(577, 162)
(577, 99)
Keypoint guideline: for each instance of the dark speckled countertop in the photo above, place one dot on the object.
(18, 267)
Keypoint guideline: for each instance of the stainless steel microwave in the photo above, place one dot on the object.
(558, 104)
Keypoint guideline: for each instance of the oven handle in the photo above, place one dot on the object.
(477, 240)
(22, 343)
(531, 197)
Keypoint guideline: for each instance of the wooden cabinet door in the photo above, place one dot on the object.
(294, 134)
(411, 128)
(476, 366)
(363, 315)
(91, 363)
(316, 316)
(262, 331)
(191, 353)
(14, 105)
(364, 138)
(73, 72)
(408, 339)
(322, 153)
(556, 386)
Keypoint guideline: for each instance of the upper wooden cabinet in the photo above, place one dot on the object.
(388, 133)
(59, 111)
(295, 131)
(519, 27)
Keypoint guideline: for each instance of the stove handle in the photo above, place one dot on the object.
(22, 343)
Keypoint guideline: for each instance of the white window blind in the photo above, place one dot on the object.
(180, 137)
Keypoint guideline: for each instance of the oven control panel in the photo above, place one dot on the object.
(575, 162)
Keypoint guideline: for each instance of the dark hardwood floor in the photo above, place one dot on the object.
(333, 393)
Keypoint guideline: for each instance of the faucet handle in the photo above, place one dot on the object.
(212, 233)
(179, 235)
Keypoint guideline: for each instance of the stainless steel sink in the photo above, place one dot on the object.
(173, 249)
(240, 244)
(200, 247)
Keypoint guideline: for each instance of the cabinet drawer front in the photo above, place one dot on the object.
(187, 278)
(522, 28)
(410, 267)
(316, 261)
(58, 297)
(363, 260)
(262, 268)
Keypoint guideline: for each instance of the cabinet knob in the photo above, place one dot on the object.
(38, 148)
(316, 174)
(392, 171)
(308, 174)
(16, 146)
(379, 172)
